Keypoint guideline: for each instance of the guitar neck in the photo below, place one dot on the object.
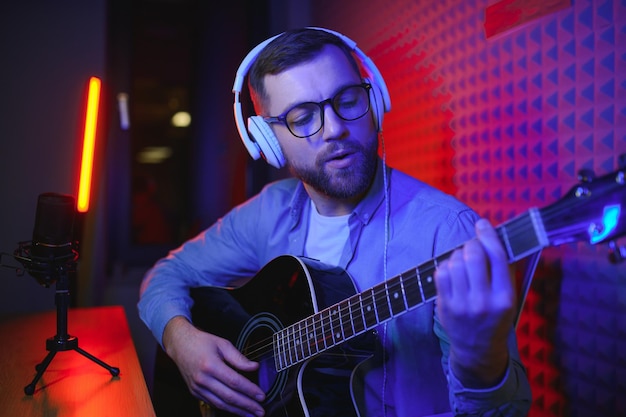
(521, 236)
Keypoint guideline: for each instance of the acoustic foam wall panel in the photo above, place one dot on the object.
(506, 123)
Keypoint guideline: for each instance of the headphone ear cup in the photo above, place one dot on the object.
(266, 140)
(377, 103)
(251, 146)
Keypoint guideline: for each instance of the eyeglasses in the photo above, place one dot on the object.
(306, 119)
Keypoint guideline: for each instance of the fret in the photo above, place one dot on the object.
(356, 314)
(284, 361)
(369, 309)
(527, 243)
(277, 351)
(412, 289)
(346, 319)
(335, 324)
(283, 356)
(290, 346)
(311, 338)
(299, 341)
(297, 349)
(291, 349)
(381, 301)
(326, 327)
(319, 333)
(396, 295)
(426, 280)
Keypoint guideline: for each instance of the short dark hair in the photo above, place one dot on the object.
(287, 50)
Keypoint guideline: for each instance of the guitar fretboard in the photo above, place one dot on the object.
(365, 311)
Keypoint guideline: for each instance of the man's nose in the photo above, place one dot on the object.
(334, 126)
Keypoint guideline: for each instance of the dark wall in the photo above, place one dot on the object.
(48, 52)
(209, 170)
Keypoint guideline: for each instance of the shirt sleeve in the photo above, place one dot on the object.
(512, 396)
(222, 256)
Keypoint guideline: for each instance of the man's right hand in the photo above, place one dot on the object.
(210, 366)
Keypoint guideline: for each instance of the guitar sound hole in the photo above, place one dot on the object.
(266, 374)
(255, 343)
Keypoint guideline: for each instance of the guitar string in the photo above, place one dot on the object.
(378, 297)
(514, 229)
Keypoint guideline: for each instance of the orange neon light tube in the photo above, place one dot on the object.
(89, 145)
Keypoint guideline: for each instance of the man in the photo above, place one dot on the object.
(346, 208)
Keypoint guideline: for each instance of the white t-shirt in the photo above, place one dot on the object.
(326, 237)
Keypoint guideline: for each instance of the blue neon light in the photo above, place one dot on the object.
(609, 224)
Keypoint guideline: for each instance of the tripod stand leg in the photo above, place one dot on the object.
(40, 368)
(113, 370)
(62, 341)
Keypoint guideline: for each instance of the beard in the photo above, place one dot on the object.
(346, 183)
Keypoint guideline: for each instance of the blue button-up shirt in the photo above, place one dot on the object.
(422, 224)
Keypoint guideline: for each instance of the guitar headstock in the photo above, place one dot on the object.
(594, 210)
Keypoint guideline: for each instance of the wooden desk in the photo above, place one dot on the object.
(72, 385)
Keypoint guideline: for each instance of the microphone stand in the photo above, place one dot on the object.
(62, 341)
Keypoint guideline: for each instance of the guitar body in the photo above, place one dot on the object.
(285, 291)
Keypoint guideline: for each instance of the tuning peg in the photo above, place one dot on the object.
(586, 175)
(617, 253)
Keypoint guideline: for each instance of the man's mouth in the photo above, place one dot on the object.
(341, 159)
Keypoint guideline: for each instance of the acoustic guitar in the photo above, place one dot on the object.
(312, 331)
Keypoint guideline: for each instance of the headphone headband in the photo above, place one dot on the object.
(259, 138)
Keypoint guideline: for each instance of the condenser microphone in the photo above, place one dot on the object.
(53, 234)
(51, 251)
(51, 257)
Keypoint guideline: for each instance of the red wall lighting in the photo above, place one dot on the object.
(507, 14)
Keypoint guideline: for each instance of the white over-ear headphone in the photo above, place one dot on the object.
(259, 139)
